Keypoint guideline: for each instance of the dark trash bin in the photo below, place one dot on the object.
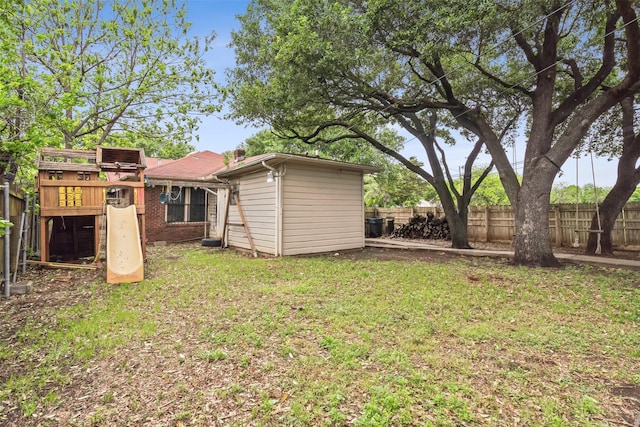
(375, 227)
(390, 224)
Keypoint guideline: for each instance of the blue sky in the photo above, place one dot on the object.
(218, 134)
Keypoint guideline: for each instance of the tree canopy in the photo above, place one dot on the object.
(21, 102)
(116, 72)
(398, 186)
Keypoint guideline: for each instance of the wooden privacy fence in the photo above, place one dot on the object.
(496, 223)
(16, 208)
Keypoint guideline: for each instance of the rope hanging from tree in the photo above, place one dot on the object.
(576, 241)
(576, 232)
(595, 191)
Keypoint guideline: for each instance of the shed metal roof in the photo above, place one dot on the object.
(254, 163)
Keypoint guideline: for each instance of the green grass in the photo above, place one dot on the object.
(329, 341)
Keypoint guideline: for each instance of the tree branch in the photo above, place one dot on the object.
(527, 49)
(583, 92)
(632, 32)
(575, 73)
(447, 171)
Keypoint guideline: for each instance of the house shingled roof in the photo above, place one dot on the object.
(196, 166)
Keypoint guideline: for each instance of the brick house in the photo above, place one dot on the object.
(180, 198)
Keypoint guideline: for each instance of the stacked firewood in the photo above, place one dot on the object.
(420, 227)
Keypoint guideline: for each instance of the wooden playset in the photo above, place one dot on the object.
(74, 193)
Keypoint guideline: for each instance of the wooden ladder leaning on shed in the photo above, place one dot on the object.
(236, 199)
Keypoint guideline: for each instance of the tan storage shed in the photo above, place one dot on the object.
(292, 204)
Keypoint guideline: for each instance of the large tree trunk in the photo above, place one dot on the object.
(456, 218)
(532, 239)
(458, 228)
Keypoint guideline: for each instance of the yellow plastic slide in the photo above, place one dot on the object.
(125, 263)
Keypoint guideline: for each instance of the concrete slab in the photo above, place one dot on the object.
(600, 261)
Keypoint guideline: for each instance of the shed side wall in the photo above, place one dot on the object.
(257, 199)
(322, 210)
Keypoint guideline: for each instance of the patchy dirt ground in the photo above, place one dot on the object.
(58, 288)
(53, 288)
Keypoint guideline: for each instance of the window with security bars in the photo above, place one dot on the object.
(186, 205)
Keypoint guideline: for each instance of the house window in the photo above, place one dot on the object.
(186, 205)
(197, 206)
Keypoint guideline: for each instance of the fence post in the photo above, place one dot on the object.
(558, 225)
(7, 242)
(624, 228)
(486, 224)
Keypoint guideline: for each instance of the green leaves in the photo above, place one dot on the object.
(4, 225)
(397, 186)
(106, 71)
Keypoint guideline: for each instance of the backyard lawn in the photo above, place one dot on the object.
(365, 338)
